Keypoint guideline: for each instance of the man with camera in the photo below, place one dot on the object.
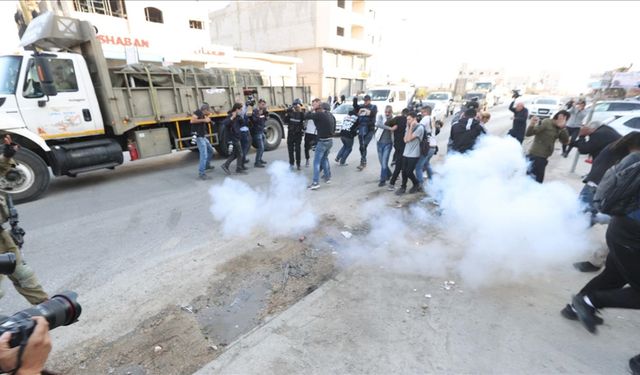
(258, 121)
(520, 117)
(34, 355)
(199, 124)
(23, 278)
(545, 135)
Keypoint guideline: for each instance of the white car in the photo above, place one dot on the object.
(625, 124)
(545, 107)
(340, 112)
(609, 108)
(444, 98)
(438, 109)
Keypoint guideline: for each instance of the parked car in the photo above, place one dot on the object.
(545, 107)
(625, 124)
(606, 109)
(443, 98)
(340, 112)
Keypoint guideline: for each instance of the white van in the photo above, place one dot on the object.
(398, 97)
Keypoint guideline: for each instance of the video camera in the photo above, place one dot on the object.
(251, 101)
(516, 94)
(61, 310)
(7, 263)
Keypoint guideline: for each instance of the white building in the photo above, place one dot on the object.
(167, 32)
(333, 38)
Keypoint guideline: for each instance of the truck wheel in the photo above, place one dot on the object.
(273, 134)
(222, 141)
(31, 177)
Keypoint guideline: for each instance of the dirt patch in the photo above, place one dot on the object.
(263, 282)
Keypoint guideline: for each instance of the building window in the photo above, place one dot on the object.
(341, 4)
(357, 32)
(358, 6)
(193, 24)
(340, 31)
(153, 15)
(114, 8)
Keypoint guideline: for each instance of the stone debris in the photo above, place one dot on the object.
(157, 349)
(448, 285)
(427, 296)
(346, 234)
(187, 308)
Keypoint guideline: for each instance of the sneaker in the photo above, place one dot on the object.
(391, 187)
(225, 168)
(586, 267)
(298, 166)
(204, 177)
(262, 162)
(241, 171)
(401, 191)
(337, 160)
(258, 165)
(361, 167)
(247, 161)
(381, 183)
(415, 189)
(209, 167)
(243, 168)
(327, 181)
(586, 314)
(569, 313)
(306, 164)
(313, 186)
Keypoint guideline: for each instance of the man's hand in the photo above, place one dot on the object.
(534, 120)
(35, 353)
(585, 131)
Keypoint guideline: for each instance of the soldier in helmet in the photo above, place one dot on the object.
(295, 121)
(23, 278)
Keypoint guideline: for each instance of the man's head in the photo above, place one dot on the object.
(388, 111)
(561, 118)
(411, 117)
(262, 104)
(326, 107)
(405, 112)
(581, 104)
(519, 106)
(342, 98)
(205, 108)
(237, 108)
(485, 117)
(367, 99)
(315, 104)
(297, 104)
(470, 113)
(425, 110)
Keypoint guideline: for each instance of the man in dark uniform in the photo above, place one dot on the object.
(520, 117)
(23, 278)
(295, 121)
(233, 123)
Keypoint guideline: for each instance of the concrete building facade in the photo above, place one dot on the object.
(163, 32)
(334, 39)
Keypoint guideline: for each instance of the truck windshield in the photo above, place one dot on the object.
(379, 95)
(9, 69)
(483, 86)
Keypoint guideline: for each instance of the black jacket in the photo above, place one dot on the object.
(598, 140)
(519, 122)
(398, 134)
(295, 122)
(233, 128)
(463, 139)
(370, 120)
(325, 123)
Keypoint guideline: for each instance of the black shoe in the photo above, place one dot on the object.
(240, 171)
(298, 166)
(243, 168)
(209, 167)
(401, 191)
(381, 183)
(204, 177)
(568, 313)
(258, 165)
(262, 162)
(247, 161)
(586, 314)
(415, 188)
(634, 365)
(586, 267)
(225, 168)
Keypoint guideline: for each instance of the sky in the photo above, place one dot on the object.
(428, 41)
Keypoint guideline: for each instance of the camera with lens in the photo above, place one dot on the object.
(251, 101)
(516, 94)
(61, 310)
(7, 263)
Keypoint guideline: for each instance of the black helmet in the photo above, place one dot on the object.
(297, 102)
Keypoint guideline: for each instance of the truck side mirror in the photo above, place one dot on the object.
(44, 75)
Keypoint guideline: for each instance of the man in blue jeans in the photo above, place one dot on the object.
(427, 122)
(258, 119)
(367, 114)
(324, 123)
(199, 125)
(384, 141)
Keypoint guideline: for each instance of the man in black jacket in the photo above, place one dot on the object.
(465, 132)
(400, 122)
(295, 130)
(594, 138)
(366, 119)
(325, 125)
(520, 117)
(232, 125)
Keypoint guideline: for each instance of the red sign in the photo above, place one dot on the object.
(120, 41)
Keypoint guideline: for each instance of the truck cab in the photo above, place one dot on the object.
(398, 97)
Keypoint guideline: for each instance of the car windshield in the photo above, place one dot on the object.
(343, 109)
(9, 69)
(438, 96)
(379, 95)
(547, 101)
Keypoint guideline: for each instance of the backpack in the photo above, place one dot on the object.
(618, 193)
(424, 142)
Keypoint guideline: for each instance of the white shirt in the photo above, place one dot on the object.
(311, 127)
(427, 121)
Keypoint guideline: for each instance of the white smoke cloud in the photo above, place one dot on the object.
(280, 210)
(496, 223)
